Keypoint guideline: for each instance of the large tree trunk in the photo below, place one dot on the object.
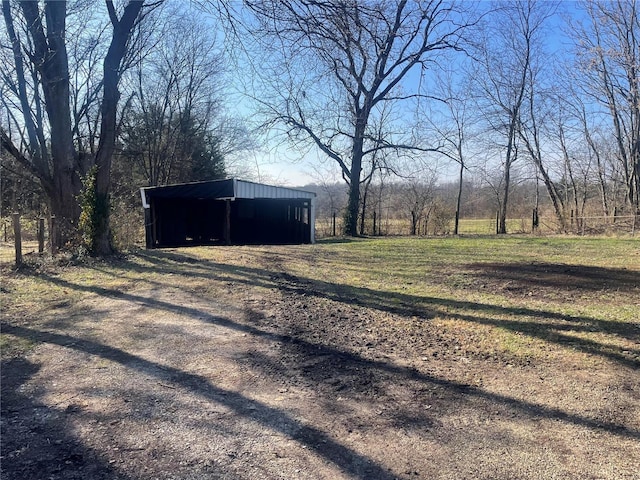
(353, 204)
(635, 181)
(64, 207)
(122, 30)
(50, 58)
(363, 211)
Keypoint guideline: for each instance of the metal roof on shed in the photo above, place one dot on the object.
(244, 189)
(220, 189)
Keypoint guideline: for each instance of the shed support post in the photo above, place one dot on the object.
(312, 220)
(227, 222)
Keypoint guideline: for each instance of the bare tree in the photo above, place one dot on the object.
(176, 103)
(40, 131)
(507, 52)
(535, 114)
(41, 78)
(609, 55)
(584, 164)
(575, 191)
(450, 121)
(418, 197)
(329, 67)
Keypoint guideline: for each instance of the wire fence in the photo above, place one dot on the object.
(127, 229)
(22, 236)
(584, 225)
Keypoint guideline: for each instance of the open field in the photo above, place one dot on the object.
(591, 225)
(402, 226)
(447, 358)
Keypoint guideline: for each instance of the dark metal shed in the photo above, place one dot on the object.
(228, 211)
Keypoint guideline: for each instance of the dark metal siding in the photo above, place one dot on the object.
(186, 221)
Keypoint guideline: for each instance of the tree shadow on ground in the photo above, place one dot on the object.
(342, 372)
(348, 460)
(36, 439)
(542, 324)
(398, 303)
(334, 240)
(554, 327)
(560, 276)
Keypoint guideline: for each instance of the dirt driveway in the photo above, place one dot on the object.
(239, 369)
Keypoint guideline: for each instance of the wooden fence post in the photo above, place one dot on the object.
(17, 238)
(41, 235)
(334, 224)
